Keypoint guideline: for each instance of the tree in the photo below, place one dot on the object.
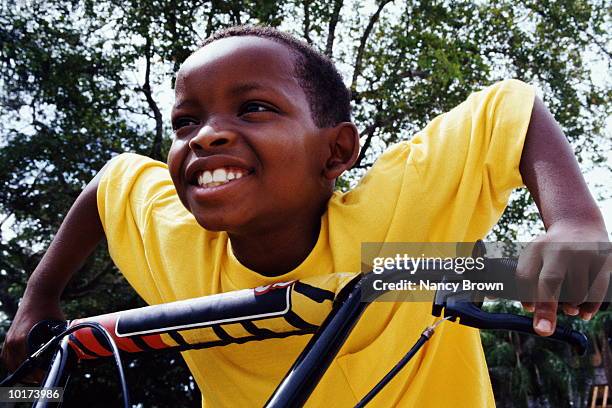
(84, 80)
(530, 371)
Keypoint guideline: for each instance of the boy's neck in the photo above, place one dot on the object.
(276, 252)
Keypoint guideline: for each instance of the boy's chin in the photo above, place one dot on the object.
(210, 225)
(215, 225)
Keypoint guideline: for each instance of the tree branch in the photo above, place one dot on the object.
(363, 166)
(235, 10)
(372, 93)
(135, 111)
(331, 32)
(306, 4)
(369, 131)
(146, 89)
(30, 187)
(5, 219)
(211, 15)
(598, 44)
(362, 42)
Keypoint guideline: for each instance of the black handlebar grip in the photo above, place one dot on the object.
(576, 339)
(471, 315)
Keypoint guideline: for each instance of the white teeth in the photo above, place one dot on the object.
(219, 175)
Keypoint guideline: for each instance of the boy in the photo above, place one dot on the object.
(262, 130)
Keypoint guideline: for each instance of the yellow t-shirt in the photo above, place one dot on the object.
(450, 182)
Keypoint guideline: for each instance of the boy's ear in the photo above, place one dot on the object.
(344, 149)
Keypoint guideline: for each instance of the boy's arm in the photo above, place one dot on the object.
(550, 171)
(77, 237)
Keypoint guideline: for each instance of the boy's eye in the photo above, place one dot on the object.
(255, 107)
(182, 122)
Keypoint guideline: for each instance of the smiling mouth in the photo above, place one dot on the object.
(219, 176)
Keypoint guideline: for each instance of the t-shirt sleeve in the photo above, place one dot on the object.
(481, 138)
(453, 179)
(468, 159)
(126, 193)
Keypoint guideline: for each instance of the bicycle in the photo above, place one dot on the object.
(58, 344)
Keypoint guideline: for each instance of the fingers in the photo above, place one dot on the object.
(597, 294)
(539, 278)
(574, 275)
(3, 357)
(9, 359)
(551, 278)
(600, 269)
(576, 283)
(527, 271)
(15, 348)
(13, 354)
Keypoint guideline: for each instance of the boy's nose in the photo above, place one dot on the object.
(209, 138)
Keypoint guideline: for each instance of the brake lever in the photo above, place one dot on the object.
(460, 306)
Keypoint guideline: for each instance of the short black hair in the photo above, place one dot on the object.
(328, 97)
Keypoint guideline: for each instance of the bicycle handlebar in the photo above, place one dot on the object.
(274, 311)
(331, 308)
(461, 306)
(217, 320)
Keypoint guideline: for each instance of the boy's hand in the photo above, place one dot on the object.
(572, 259)
(32, 309)
(571, 265)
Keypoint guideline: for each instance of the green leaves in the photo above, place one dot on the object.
(526, 370)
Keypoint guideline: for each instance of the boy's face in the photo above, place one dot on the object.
(242, 118)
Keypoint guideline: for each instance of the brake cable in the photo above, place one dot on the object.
(426, 335)
(28, 364)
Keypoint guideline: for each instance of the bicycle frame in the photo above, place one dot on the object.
(58, 374)
(314, 360)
